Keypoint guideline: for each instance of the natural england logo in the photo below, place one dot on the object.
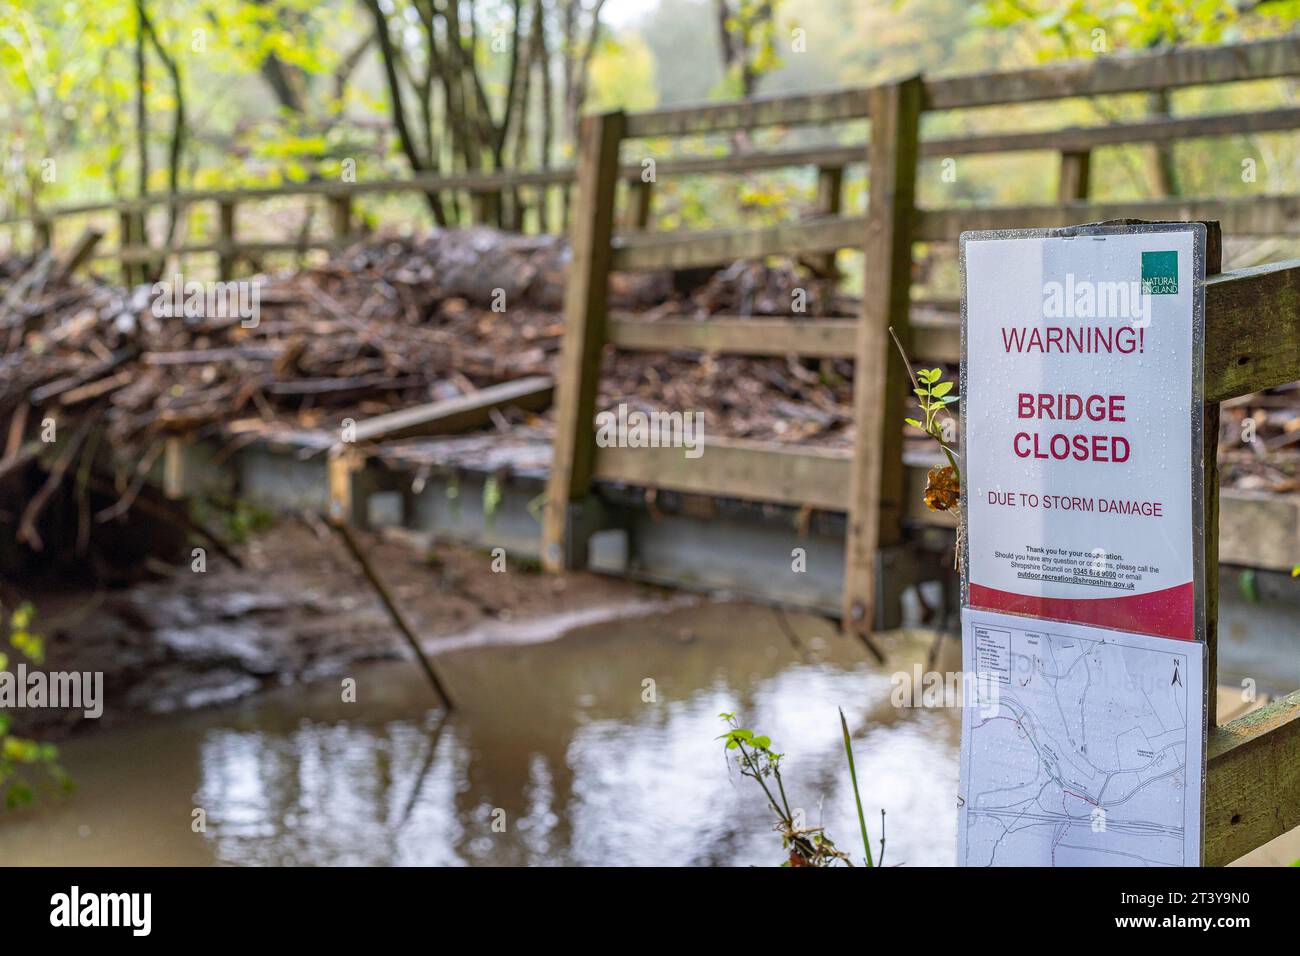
(181, 299)
(638, 429)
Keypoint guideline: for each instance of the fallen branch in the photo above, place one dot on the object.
(394, 611)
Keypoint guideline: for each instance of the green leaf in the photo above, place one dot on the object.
(857, 797)
(942, 389)
(913, 422)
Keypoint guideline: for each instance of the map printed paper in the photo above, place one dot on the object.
(1080, 746)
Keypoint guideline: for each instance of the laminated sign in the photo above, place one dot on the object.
(1083, 576)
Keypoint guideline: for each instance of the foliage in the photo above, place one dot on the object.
(804, 846)
(491, 500)
(1083, 27)
(23, 762)
(934, 395)
(747, 36)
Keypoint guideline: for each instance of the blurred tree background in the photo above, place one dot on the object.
(120, 98)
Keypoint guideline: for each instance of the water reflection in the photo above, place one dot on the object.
(559, 742)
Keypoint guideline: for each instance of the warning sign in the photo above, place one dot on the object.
(1081, 425)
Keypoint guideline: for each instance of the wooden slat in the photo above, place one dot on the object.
(1252, 334)
(1080, 138)
(1068, 139)
(1264, 215)
(457, 414)
(1252, 786)
(818, 338)
(1258, 216)
(829, 107)
(145, 254)
(936, 337)
(1256, 530)
(424, 182)
(685, 250)
(1252, 331)
(1119, 73)
(755, 471)
(757, 160)
(1259, 530)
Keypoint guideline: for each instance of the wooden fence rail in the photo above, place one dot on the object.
(1116, 74)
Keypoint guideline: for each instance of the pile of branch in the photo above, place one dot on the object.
(1259, 441)
(396, 322)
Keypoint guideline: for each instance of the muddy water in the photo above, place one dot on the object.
(556, 739)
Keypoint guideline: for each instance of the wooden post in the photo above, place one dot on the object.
(226, 239)
(341, 217)
(44, 234)
(173, 468)
(349, 486)
(878, 480)
(544, 212)
(487, 208)
(125, 239)
(585, 299)
(830, 191)
(640, 201)
(1073, 184)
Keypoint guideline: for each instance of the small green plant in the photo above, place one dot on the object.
(804, 846)
(238, 519)
(453, 496)
(934, 395)
(491, 500)
(20, 758)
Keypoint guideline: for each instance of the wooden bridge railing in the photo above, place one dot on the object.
(1273, 58)
(1253, 333)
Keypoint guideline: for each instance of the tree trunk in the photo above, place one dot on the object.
(389, 57)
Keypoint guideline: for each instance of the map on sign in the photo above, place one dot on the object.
(1080, 746)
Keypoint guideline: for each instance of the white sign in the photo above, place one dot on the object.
(1082, 619)
(1081, 426)
(1080, 747)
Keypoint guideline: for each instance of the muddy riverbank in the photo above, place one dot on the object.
(297, 611)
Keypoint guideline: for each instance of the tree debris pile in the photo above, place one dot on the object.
(1259, 441)
(395, 322)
